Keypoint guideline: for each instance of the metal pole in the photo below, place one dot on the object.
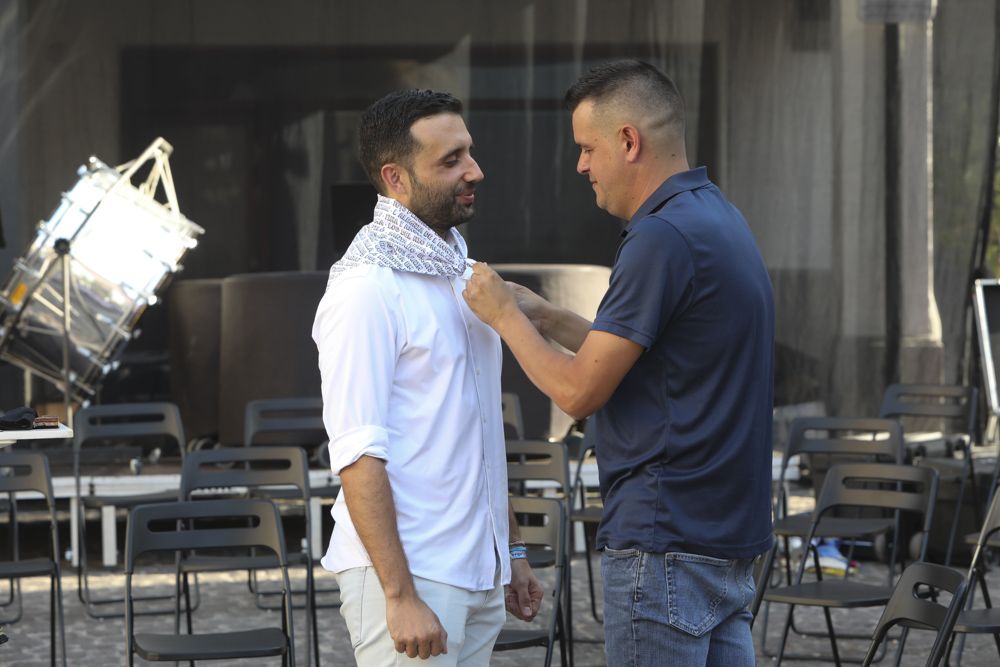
(62, 248)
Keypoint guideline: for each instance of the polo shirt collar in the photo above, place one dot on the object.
(680, 182)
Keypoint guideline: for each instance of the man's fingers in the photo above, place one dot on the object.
(439, 644)
(524, 601)
(424, 648)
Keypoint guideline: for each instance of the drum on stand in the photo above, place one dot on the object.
(123, 246)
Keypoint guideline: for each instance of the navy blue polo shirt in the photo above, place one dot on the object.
(684, 444)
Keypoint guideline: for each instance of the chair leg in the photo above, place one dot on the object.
(833, 636)
(784, 635)
(52, 621)
(311, 601)
(60, 617)
(590, 577)
(967, 472)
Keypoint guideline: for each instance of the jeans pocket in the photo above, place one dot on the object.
(696, 586)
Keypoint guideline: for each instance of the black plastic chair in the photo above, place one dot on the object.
(123, 424)
(253, 469)
(895, 493)
(956, 404)
(589, 513)
(836, 437)
(543, 528)
(985, 620)
(914, 608)
(26, 472)
(186, 526)
(296, 422)
(547, 463)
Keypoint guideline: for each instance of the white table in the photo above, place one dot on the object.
(59, 433)
(127, 485)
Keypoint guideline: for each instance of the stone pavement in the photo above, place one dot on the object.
(227, 605)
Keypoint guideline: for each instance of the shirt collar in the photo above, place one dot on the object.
(680, 182)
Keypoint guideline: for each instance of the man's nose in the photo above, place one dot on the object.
(474, 174)
(582, 165)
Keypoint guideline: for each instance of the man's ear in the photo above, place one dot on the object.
(396, 179)
(628, 137)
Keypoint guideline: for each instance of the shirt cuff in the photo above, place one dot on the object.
(348, 447)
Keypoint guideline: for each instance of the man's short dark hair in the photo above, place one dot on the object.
(384, 134)
(636, 79)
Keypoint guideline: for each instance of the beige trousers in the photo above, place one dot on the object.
(472, 620)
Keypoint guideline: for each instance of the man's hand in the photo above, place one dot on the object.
(414, 628)
(488, 295)
(524, 594)
(533, 306)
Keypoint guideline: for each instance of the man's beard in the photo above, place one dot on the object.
(440, 209)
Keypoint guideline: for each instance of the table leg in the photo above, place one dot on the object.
(74, 528)
(109, 536)
(316, 527)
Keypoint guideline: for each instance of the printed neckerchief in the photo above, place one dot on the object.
(397, 239)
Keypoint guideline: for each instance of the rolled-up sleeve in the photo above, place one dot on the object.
(356, 334)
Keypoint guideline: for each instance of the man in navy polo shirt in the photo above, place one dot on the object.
(677, 371)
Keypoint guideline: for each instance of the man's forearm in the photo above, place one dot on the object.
(547, 368)
(369, 501)
(565, 327)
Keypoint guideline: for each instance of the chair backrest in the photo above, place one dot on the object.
(256, 467)
(991, 525)
(510, 405)
(838, 490)
(878, 439)
(890, 486)
(124, 421)
(538, 460)
(545, 526)
(175, 527)
(297, 420)
(22, 471)
(25, 471)
(205, 524)
(845, 435)
(916, 609)
(957, 403)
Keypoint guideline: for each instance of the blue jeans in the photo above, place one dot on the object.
(676, 609)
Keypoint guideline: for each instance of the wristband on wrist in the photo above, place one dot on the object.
(518, 550)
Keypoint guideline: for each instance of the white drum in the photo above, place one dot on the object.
(124, 245)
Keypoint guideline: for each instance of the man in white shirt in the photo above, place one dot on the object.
(424, 540)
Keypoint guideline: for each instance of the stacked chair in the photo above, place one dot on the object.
(901, 489)
(914, 605)
(839, 439)
(27, 472)
(589, 513)
(133, 425)
(183, 527)
(986, 619)
(956, 406)
(252, 469)
(545, 464)
(543, 530)
(294, 422)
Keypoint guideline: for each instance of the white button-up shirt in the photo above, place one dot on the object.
(410, 375)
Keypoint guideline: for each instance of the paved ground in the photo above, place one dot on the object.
(227, 605)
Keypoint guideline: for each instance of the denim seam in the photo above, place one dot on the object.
(636, 595)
